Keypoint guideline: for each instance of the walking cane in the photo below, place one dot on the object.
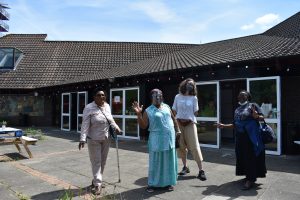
(117, 149)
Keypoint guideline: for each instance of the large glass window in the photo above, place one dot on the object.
(9, 58)
(121, 102)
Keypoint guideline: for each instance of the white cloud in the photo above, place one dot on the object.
(156, 10)
(264, 22)
(267, 19)
(247, 27)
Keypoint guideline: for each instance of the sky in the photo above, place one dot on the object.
(167, 21)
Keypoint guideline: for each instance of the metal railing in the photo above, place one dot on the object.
(3, 25)
(4, 13)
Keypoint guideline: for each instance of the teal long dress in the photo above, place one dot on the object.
(162, 153)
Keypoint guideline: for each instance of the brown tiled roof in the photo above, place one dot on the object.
(48, 62)
(223, 52)
(289, 28)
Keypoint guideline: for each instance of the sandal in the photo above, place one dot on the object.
(170, 188)
(150, 189)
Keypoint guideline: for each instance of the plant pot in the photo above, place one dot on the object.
(3, 126)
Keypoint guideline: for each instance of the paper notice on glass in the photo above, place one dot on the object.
(117, 99)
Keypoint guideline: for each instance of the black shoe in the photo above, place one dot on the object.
(248, 185)
(185, 170)
(201, 175)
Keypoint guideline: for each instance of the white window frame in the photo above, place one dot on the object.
(278, 120)
(65, 114)
(212, 119)
(85, 102)
(123, 116)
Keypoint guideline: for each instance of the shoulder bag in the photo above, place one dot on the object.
(267, 133)
(111, 129)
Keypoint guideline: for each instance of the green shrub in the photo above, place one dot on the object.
(35, 133)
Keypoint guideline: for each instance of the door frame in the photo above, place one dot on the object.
(212, 119)
(85, 103)
(65, 114)
(278, 120)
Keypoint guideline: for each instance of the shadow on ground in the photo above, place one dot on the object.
(62, 194)
(11, 157)
(138, 193)
(227, 189)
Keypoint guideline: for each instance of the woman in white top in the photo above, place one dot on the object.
(185, 107)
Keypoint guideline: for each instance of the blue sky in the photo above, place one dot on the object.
(174, 21)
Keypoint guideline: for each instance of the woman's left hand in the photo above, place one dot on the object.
(118, 130)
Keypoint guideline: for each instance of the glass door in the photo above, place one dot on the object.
(81, 102)
(121, 101)
(208, 116)
(266, 93)
(66, 111)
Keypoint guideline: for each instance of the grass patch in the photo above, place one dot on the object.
(34, 133)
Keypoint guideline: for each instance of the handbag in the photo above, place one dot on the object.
(111, 128)
(267, 133)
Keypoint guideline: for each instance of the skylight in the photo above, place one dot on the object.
(9, 58)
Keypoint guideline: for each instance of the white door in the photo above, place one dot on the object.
(208, 100)
(121, 100)
(66, 111)
(81, 102)
(265, 92)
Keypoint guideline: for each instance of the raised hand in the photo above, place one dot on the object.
(137, 109)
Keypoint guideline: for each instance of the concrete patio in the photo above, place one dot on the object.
(58, 167)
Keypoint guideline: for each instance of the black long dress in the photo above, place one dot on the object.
(247, 163)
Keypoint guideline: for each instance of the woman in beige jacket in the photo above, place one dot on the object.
(95, 131)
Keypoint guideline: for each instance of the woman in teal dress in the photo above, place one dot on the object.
(161, 124)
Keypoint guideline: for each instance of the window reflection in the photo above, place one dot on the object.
(131, 96)
(9, 57)
(131, 128)
(207, 132)
(119, 122)
(66, 124)
(117, 102)
(264, 93)
(79, 123)
(81, 103)
(207, 98)
(273, 145)
(66, 103)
